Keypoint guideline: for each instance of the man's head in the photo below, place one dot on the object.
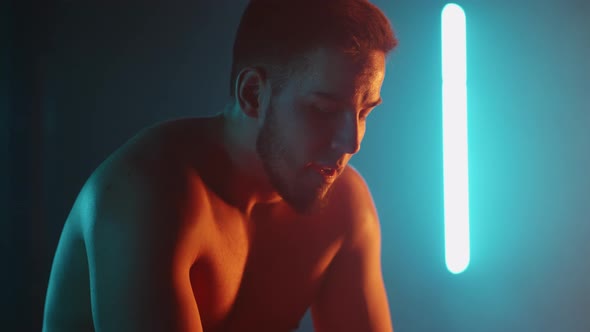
(309, 72)
(276, 35)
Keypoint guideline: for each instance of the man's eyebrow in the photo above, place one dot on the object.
(335, 98)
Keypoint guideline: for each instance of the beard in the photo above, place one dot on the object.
(273, 152)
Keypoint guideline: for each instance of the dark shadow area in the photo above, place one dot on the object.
(77, 80)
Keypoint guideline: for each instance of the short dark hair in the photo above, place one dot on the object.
(275, 32)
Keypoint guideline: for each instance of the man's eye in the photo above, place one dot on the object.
(320, 109)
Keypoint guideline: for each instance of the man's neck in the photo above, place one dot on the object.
(237, 171)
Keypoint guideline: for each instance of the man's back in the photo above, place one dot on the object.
(150, 236)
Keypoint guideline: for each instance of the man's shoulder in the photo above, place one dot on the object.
(352, 190)
(353, 208)
(146, 176)
(148, 155)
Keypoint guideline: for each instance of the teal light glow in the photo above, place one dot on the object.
(454, 118)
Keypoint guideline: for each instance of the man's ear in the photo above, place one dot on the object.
(250, 91)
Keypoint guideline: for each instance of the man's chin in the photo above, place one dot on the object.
(310, 204)
(308, 208)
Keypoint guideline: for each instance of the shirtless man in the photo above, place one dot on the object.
(243, 220)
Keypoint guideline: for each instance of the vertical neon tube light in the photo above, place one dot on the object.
(454, 118)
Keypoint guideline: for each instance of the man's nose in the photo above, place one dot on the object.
(347, 136)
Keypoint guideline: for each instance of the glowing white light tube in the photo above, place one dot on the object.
(454, 118)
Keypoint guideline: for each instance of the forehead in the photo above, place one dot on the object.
(336, 72)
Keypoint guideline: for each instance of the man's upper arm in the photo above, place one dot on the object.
(353, 297)
(135, 234)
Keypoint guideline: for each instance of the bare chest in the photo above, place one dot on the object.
(266, 283)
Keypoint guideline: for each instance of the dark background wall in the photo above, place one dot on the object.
(77, 79)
